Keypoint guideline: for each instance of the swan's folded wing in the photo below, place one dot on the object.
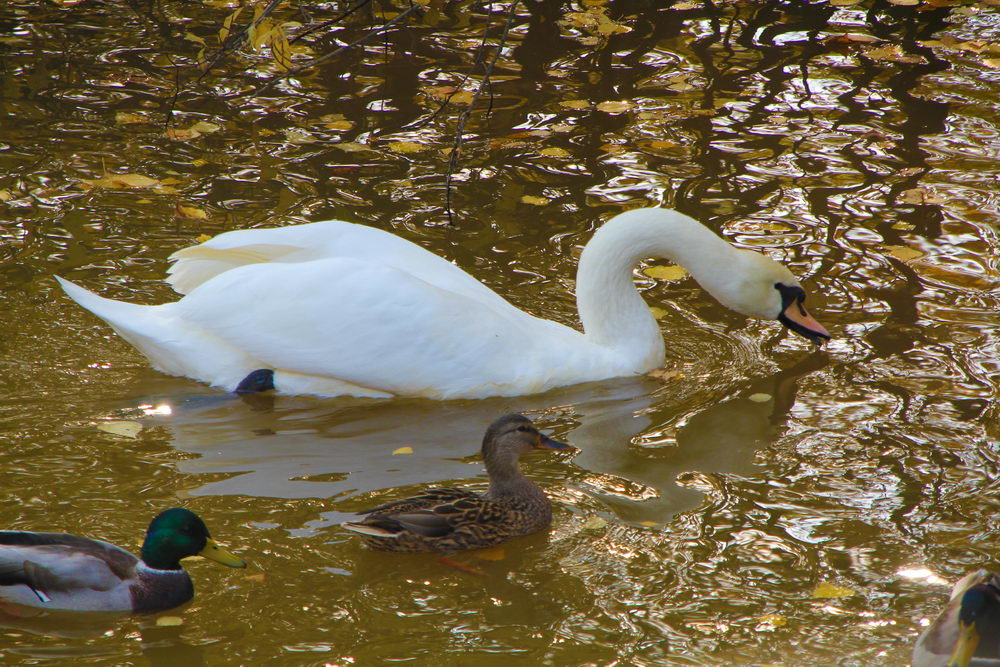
(198, 264)
(375, 326)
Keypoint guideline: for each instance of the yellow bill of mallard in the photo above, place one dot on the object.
(213, 551)
(965, 647)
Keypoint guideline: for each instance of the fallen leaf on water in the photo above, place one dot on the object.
(665, 374)
(918, 196)
(595, 522)
(169, 621)
(126, 118)
(402, 450)
(553, 151)
(904, 253)
(193, 212)
(673, 272)
(405, 147)
(760, 398)
(203, 237)
(614, 107)
(993, 63)
(776, 620)
(122, 181)
(905, 3)
(256, 576)
(575, 104)
(684, 6)
(126, 429)
(827, 591)
(534, 201)
(5, 195)
(198, 162)
(352, 147)
(892, 53)
(657, 311)
(650, 524)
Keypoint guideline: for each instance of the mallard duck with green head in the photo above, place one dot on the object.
(447, 520)
(67, 572)
(967, 632)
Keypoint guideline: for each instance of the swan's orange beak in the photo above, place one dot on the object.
(797, 318)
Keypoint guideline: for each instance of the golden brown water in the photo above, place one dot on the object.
(696, 522)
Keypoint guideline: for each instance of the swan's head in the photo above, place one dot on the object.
(769, 291)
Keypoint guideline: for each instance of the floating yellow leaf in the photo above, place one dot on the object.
(554, 151)
(191, 37)
(575, 104)
(904, 253)
(684, 6)
(402, 450)
(595, 522)
(5, 195)
(203, 237)
(227, 24)
(905, 3)
(918, 196)
(462, 97)
(123, 181)
(892, 53)
(340, 125)
(665, 374)
(169, 621)
(534, 201)
(843, 3)
(126, 118)
(776, 620)
(615, 107)
(352, 147)
(193, 212)
(657, 311)
(827, 591)
(405, 147)
(760, 398)
(205, 127)
(126, 429)
(673, 272)
(256, 576)
(198, 162)
(993, 63)
(494, 554)
(650, 524)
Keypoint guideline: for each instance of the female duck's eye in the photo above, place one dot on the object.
(522, 427)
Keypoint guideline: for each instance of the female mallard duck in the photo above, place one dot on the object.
(967, 632)
(447, 520)
(60, 571)
(334, 308)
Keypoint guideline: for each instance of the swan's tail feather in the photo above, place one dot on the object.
(197, 264)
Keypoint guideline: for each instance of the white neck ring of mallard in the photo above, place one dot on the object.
(612, 311)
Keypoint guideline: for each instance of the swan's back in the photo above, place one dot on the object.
(198, 264)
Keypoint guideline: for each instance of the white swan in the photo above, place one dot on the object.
(336, 308)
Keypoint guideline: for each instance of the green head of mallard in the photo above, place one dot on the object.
(978, 623)
(178, 533)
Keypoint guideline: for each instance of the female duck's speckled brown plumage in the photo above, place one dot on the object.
(967, 631)
(68, 572)
(447, 520)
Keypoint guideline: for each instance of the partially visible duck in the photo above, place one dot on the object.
(61, 571)
(967, 631)
(334, 308)
(448, 520)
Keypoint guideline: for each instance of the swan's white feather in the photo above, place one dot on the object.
(337, 308)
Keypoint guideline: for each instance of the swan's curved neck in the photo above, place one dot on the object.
(611, 310)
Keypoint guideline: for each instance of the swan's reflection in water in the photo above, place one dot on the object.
(288, 447)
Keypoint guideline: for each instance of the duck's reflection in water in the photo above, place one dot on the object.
(289, 447)
(86, 633)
